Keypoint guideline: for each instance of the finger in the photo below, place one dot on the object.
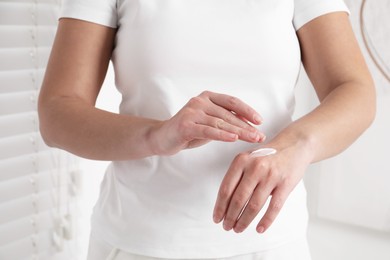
(230, 117)
(252, 208)
(279, 196)
(200, 131)
(242, 128)
(228, 185)
(243, 134)
(239, 199)
(237, 106)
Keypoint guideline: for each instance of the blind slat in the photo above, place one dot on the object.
(25, 186)
(18, 124)
(16, 230)
(18, 102)
(16, 167)
(11, 249)
(20, 80)
(23, 58)
(55, 2)
(28, 13)
(23, 207)
(21, 145)
(26, 36)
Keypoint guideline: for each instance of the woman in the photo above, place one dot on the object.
(203, 84)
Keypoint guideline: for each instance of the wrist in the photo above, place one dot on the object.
(153, 138)
(297, 142)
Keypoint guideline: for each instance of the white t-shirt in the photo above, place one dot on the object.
(166, 52)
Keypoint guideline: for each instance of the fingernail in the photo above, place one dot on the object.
(262, 139)
(260, 229)
(257, 119)
(216, 219)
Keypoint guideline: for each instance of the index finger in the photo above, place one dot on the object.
(237, 106)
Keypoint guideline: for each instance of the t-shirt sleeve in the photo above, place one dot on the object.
(96, 11)
(307, 10)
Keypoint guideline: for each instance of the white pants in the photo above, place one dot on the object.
(297, 250)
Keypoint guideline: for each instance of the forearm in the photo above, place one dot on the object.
(336, 123)
(69, 124)
(75, 125)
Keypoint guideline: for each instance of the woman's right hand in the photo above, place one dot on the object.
(209, 116)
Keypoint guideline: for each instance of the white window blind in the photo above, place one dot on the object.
(38, 185)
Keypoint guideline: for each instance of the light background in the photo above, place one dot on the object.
(349, 195)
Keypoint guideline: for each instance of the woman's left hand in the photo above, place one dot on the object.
(249, 182)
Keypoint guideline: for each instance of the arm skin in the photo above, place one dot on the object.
(335, 65)
(70, 121)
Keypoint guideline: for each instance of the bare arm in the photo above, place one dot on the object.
(343, 84)
(70, 121)
(345, 88)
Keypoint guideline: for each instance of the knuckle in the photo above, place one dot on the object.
(224, 192)
(206, 93)
(228, 117)
(273, 174)
(183, 126)
(241, 158)
(242, 132)
(195, 101)
(253, 207)
(233, 101)
(208, 133)
(220, 124)
(235, 203)
(222, 135)
(238, 200)
(276, 205)
(261, 166)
